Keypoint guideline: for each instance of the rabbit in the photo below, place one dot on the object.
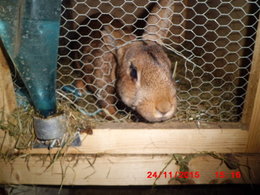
(115, 61)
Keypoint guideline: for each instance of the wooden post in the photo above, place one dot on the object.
(252, 83)
(7, 95)
(254, 127)
(251, 113)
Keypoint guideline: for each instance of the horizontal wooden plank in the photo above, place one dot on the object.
(142, 138)
(134, 141)
(171, 125)
(126, 170)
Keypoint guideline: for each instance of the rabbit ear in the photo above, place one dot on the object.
(159, 21)
(113, 38)
(108, 38)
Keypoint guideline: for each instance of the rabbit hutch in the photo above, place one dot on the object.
(214, 52)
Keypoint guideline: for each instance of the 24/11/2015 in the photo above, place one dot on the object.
(170, 174)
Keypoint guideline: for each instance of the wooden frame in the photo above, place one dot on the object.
(124, 153)
(125, 170)
(252, 103)
(7, 96)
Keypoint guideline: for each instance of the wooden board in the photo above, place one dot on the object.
(140, 138)
(126, 170)
(7, 95)
(251, 110)
(254, 128)
(253, 82)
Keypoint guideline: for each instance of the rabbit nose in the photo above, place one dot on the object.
(163, 107)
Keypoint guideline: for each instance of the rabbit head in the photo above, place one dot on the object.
(143, 73)
(144, 81)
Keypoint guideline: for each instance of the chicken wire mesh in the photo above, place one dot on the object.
(210, 44)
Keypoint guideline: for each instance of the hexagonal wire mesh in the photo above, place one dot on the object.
(210, 42)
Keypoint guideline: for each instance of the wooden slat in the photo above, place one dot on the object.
(251, 110)
(154, 139)
(253, 83)
(122, 170)
(7, 95)
(7, 98)
(254, 128)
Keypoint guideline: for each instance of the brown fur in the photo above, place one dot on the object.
(109, 56)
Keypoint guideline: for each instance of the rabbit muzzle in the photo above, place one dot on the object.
(157, 109)
(153, 105)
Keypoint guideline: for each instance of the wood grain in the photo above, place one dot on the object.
(140, 138)
(122, 170)
(254, 128)
(251, 110)
(251, 97)
(7, 95)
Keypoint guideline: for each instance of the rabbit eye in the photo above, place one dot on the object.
(133, 71)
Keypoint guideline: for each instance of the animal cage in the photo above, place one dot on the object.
(214, 53)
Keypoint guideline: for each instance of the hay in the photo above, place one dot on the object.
(19, 126)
